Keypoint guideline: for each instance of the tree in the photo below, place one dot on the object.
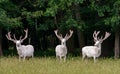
(114, 21)
(5, 20)
(108, 12)
(42, 17)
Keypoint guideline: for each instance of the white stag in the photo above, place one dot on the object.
(94, 51)
(22, 50)
(61, 50)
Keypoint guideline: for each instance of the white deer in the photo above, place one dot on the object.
(22, 50)
(94, 51)
(61, 50)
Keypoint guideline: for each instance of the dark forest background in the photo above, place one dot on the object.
(42, 17)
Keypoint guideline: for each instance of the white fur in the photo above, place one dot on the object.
(94, 51)
(91, 51)
(61, 51)
(25, 51)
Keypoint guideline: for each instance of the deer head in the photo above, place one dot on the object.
(60, 37)
(17, 42)
(99, 40)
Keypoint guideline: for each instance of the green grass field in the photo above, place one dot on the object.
(49, 65)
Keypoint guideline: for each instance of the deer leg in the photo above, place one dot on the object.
(83, 56)
(94, 59)
(57, 57)
(64, 58)
(32, 55)
(19, 58)
(24, 58)
(60, 58)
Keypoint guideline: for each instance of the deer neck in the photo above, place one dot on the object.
(18, 46)
(19, 51)
(63, 43)
(99, 46)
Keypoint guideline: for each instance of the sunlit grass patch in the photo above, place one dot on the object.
(49, 65)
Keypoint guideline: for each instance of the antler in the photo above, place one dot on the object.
(14, 37)
(106, 36)
(95, 35)
(26, 35)
(9, 37)
(68, 36)
(58, 36)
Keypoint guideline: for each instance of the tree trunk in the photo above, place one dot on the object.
(1, 42)
(79, 33)
(55, 21)
(52, 41)
(116, 52)
(80, 39)
(70, 44)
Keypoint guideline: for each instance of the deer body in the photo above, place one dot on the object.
(22, 50)
(91, 51)
(61, 50)
(94, 51)
(25, 51)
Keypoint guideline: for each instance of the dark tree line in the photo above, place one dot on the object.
(42, 17)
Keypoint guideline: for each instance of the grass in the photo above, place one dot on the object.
(49, 65)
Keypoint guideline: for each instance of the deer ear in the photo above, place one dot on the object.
(14, 41)
(101, 41)
(21, 41)
(95, 40)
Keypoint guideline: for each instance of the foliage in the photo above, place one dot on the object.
(104, 12)
(6, 19)
(108, 11)
(42, 17)
(114, 20)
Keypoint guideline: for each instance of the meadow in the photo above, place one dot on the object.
(49, 65)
